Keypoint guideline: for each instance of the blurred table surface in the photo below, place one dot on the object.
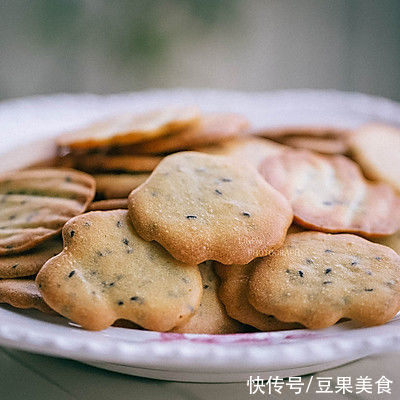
(28, 376)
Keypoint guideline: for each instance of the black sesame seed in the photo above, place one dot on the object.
(226, 179)
(328, 270)
(206, 287)
(99, 253)
(111, 284)
(120, 303)
(354, 263)
(301, 273)
(71, 274)
(218, 191)
(368, 290)
(72, 233)
(119, 224)
(288, 271)
(246, 214)
(138, 299)
(125, 241)
(378, 258)
(15, 266)
(191, 216)
(309, 261)
(87, 223)
(9, 246)
(327, 282)
(329, 251)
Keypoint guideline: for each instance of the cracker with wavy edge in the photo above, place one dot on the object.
(211, 316)
(130, 128)
(318, 278)
(22, 293)
(330, 194)
(252, 150)
(29, 262)
(213, 128)
(118, 185)
(107, 272)
(377, 149)
(233, 294)
(203, 207)
(36, 203)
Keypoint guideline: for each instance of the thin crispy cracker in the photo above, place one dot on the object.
(111, 204)
(317, 279)
(233, 293)
(330, 194)
(376, 148)
(22, 293)
(211, 317)
(36, 203)
(29, 262)
(299, 130)
(252, 150)
(319, 145)
(131, 128)
(213, 128)
(115, 186)
(93, 163)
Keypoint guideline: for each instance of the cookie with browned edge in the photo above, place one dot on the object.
(233, 293)
(22, 293)
(36, 203)
(318, 278)
(211, 316)
(107, 272)
(330, 194)
(131, 128)
(204, 207)
(29, 262)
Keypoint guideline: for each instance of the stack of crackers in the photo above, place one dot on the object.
(190, 222)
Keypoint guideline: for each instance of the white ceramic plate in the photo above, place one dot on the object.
(199, 358)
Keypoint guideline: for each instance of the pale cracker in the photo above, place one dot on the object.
(131, 128)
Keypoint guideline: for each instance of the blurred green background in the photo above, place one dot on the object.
(101, 46)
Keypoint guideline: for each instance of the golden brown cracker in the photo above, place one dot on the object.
(317, 278)
(107, 272)
(211, 316)
(204, 207)
(29, 263)
(106, 205)
(115, 186)
(131, 128)
(302, 130)
(22, 293)
(95, 163)
(213, 128)
(233, 293)
(35, 204)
